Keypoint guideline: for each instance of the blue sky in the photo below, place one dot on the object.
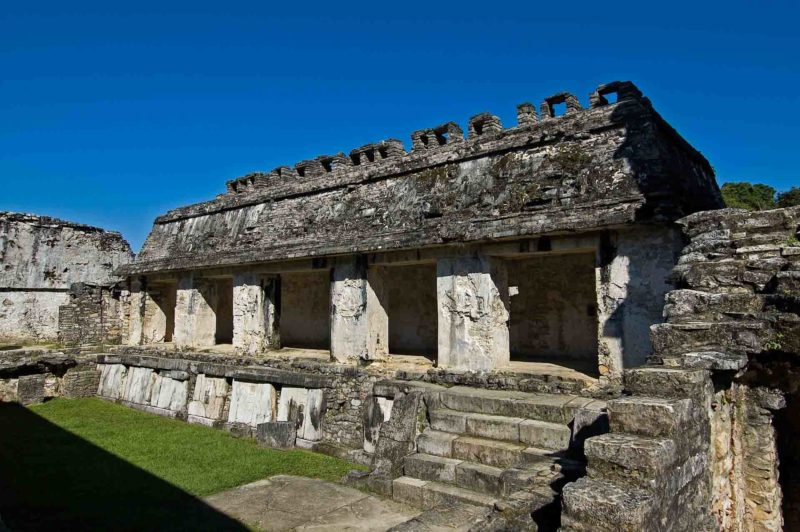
(113, 112)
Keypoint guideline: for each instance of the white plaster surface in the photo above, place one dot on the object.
(138, 386)
(170, 394)
(208, 399)
(29, 315)
(112, 380)
(252, 403)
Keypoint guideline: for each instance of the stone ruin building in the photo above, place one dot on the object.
(47, 265)
(552, 325)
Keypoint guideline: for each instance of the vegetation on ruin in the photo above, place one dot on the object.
(757, 196)
(88, 464)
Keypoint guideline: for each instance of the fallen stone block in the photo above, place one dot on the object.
(280, 434)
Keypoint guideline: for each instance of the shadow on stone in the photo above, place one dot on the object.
(51, 479)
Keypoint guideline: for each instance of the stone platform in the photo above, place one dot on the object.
(283, 503)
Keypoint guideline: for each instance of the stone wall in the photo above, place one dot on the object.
(702, 441)
(31, 376)
(240, 394)
(92, 316)
(41, 257)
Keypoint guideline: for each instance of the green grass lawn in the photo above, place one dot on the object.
(88, 464)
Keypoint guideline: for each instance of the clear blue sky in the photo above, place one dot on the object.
(114, 112)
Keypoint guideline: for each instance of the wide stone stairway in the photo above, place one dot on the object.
(481, 447)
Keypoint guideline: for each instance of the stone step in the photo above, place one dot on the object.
(489, 479)
(660, 381)
(488, 452)
(437, 443)
(554, 408)
(599, 505)
(543, 434)
(431, 467)
(453, 517)
(496, 453)
(651, 416)
(637, 460)
(693, 305)
(675, 339)
(428, 494)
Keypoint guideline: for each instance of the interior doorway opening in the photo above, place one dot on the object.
(305, 310)
(553, 307)
(159, 317)
(167, 301)
(412, 310)
(224, 311)
(787, 424)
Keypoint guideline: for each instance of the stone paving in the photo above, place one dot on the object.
(283, 503)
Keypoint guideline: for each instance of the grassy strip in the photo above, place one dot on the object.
(90, 464)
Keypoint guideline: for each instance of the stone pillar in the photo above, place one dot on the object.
(254, 318)
(195, 320)
(377, 314)
(472, 295)
(136, 300)
(349, 324)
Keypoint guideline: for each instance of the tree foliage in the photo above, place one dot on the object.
(790, 198)
(753, 197)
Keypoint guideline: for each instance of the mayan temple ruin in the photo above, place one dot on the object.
(553, 325)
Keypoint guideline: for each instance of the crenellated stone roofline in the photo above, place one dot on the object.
(432, 147)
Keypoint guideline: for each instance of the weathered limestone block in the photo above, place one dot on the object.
(254, 314)
(8, 390)
(31, 389)
(208, 400)
(169, 394)
(377, 411)
(138, 386)
(252, 403)
(306, 408)
(279, 434)
(195, 321)
(80, 382)
(349, 321)
(398, 435)
(472, 294)
(112, 381)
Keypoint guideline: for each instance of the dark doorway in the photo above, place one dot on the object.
(224, 311)
(554, 310)
(787, 424)
(305, 308)
(411, 302)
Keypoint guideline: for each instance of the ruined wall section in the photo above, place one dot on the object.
(91, 316)
(706, 440)
(40, 258)
(590, 168)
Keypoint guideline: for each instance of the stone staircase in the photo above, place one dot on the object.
(736, 299)
(482, 447)
(651, 462)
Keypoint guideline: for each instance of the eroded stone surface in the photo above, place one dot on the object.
(283, 503)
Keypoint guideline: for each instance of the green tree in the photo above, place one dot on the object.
(790, 198)
(753, 197)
